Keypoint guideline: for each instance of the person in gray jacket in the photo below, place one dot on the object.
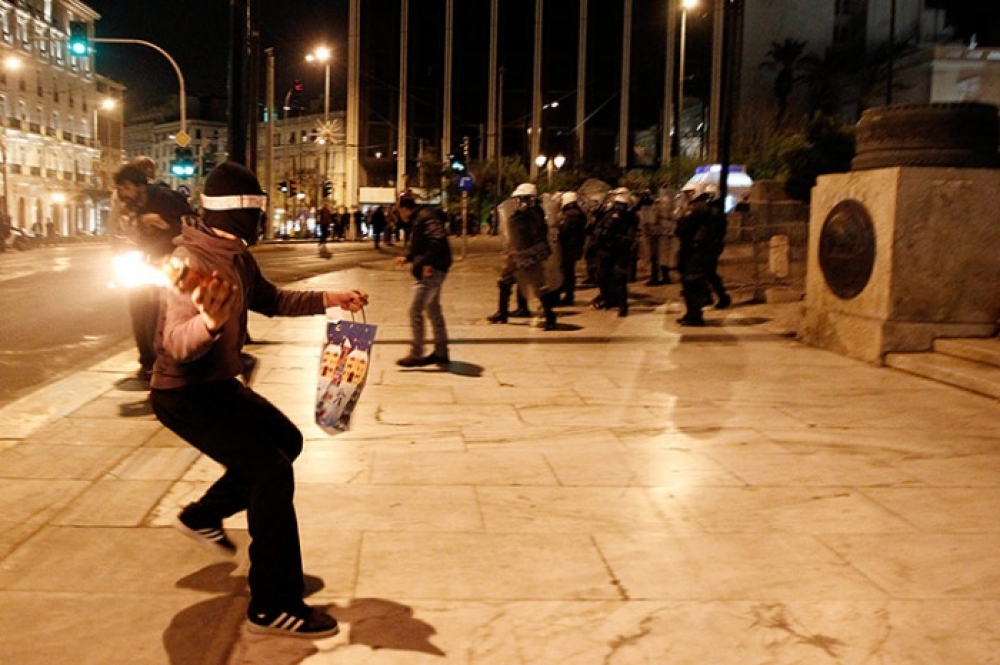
(195, 393)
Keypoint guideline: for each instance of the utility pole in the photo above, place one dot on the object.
(667, 145)
(491, 115)
(449, 37)
(269, 145)
(623, 138)
(353, 101)
(404, 40)
(239, 43)
(581, 84)
(536, 95)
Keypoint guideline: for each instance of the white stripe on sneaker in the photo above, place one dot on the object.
(286, 621)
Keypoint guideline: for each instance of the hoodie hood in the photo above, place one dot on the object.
(205, 251)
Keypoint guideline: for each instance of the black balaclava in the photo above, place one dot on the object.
(233, 200)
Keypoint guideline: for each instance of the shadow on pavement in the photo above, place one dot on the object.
(384, 624)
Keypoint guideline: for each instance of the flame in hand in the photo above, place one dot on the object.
(131, 270)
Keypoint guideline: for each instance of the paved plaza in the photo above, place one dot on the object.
(619, 491)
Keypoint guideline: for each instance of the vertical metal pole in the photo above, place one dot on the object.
(449, 36)
(404, 38)
(681, 60)
(465, 201)
(536, 95)
(328, 141)
(239, 35)
(353, 100)
(491, 115)
(269, 145)
(500, 75)
(253, 84)
(715, 103)
(890, 65)
(581, 84)
(6, 182)
(667, 145)
(623, 136)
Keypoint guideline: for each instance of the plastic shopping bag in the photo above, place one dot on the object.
(343, 369)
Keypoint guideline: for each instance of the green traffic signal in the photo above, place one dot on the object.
(182, 165)
(79, 41)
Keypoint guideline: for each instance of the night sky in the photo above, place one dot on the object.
(196, 34)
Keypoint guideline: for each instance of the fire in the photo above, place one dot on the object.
(132, 270)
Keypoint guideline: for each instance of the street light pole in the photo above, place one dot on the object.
(685, 6)
(324, 55)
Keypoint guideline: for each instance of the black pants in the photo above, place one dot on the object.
(144, 308)
(256, 443)
(568, 267)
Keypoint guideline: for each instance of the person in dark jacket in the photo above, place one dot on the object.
(572, 235)
(195, 393)
(694, 260)
(430, 255)
(155, 212)
(377, 220)
(616, 238)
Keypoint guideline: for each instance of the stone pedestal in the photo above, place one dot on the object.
(934, 241)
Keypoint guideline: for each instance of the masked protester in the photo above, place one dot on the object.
(195, 393)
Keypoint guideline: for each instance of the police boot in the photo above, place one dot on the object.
(548, 302)
(500, 316)
(522, 311)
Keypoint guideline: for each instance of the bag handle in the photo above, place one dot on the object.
(364, 317)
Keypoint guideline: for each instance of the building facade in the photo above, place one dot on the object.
(307, 152)
(62, 123)
(153, 133)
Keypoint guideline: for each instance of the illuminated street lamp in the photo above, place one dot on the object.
(685, 6)
(323, 55)
(107, 104)
(550, 165)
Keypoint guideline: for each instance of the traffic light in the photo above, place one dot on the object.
(327, 189)
(293, 188)
(283, 186)
(182, 165)
(79, 41)
(457, 162)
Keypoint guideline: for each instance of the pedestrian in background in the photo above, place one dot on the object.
(195, 393)
(325, 218)
(155, 212)
(377, 219)
(430, 255)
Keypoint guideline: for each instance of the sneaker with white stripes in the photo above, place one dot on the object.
(210, 537)
(308, 622)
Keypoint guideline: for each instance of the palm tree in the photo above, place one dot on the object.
(784, 57)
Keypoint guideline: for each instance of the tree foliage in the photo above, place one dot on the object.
(826, 146)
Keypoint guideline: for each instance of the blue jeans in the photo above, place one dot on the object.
(427, 298)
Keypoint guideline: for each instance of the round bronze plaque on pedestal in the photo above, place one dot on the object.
(847, 249)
